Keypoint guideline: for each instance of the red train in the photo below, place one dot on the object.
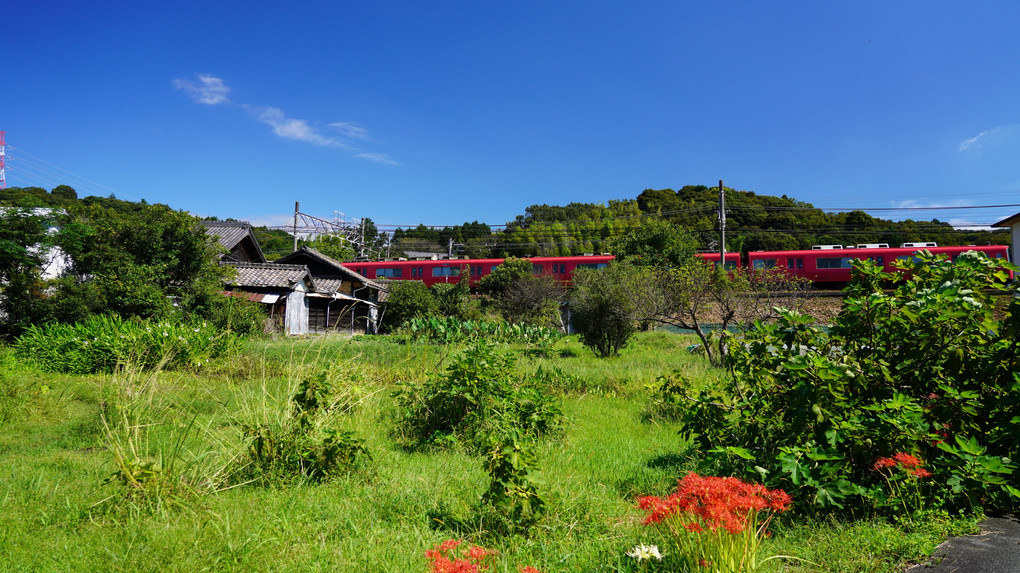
(830, 264)
(449, 270)
(825, 264)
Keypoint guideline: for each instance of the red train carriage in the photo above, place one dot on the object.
(832, 265)
(450, 270)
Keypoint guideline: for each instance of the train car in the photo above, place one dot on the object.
(432, 272)
(732, 259)
(832, 266)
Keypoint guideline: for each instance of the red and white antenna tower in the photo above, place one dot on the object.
(3, 180)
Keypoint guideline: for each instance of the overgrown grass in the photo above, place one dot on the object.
(57, 514)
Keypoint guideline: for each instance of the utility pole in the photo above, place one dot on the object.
(722, 227)
(295, 224)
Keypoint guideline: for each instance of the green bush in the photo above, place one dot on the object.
(479, 397)
(606, 306)
(668, 400)
(303, 444)
(406, 300)
(240, 316)
(927, 376)
(102, 343)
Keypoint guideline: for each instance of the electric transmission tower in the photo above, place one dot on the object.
(3, 153)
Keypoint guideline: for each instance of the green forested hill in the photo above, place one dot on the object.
(754, 223)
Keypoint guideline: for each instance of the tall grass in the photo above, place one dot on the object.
(102, 343)
(56, 452)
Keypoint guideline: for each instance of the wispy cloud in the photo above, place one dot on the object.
(915, 204)
(378, 158)
(975, 142)
(350, 130)
(210, 90)
(291, 128)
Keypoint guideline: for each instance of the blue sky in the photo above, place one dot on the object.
(446, 112)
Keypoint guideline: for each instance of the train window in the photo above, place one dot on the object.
(795, 263)
(730, 265)
(591, 266)
(560, 268)
(764, 264)
(385, 272)
(832, 262)
(536, 269)
(446, 271)
(790, 262)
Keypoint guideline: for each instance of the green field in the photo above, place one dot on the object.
(65, 504)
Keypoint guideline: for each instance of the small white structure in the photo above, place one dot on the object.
(1012, 223)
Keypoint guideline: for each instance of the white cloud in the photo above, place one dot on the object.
(290, 128)
(915, 204)
(975, 142)
(350, 130)
(378, 158)
(209, 90)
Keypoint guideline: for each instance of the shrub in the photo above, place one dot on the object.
(511, 504)
(406, 300)
(479, 396)
(237, 315)
(668, 400)
(303, 444)
(606, 305)
(926, 371)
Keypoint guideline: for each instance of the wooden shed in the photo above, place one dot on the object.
(343, 300)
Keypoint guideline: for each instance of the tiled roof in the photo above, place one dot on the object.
(230, 233)
(270, 275)
(328, 286)
(341, 269)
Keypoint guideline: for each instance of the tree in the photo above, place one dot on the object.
(521, 296)
(335, 247)
(406, 300)
(656, 243)
(24, 242)
(134, 259)
(706, 300)
(606, 305)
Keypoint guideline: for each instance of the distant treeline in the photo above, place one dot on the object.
(753, 223)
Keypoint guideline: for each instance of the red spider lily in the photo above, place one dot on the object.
(906, 460)
(715, 520)
(882, 463)
(911, 464)
(529, 570)
(714, 502)
(446, 559)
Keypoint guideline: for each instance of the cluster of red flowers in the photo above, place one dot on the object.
(446, 558)
(469, 559)
(714, 502)
(910, 464)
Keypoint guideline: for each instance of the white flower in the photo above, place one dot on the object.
(645, 553)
